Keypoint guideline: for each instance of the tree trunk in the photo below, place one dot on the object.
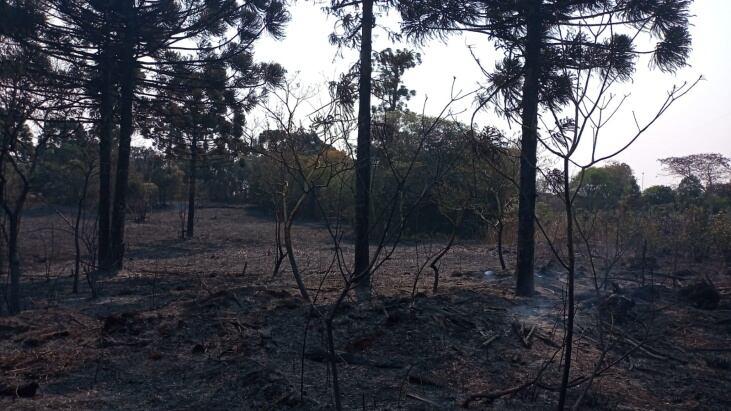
(455, 229)
(105, 163)
(13, 264)
(288, 220)
(363, 158)
(126, 128)
(500, 228)
(280, 254)
(568, 343)
(77, 227)
(77, 247)
(191, 187)
(529, 143)
(13, 216)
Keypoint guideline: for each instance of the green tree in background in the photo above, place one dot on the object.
(606, 187)
(658, 195)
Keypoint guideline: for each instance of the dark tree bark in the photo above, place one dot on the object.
(529, 143)
(126, 128)
(13, 212)
(280, 253)
(105, 162)
(289, 216)
(500, 227)
(77, 228)
(363, 158)
(13, 209)
(191, 187)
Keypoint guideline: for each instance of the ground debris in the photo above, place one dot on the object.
(36, 339)
(619, 307)
(22, 391)
(703, 295)
(524, 333)
(175, 342)
(319, 355)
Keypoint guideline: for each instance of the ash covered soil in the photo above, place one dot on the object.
(204, 324)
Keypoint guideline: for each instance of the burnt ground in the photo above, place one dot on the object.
(203, 324)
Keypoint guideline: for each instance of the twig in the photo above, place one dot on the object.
(492, 395)
(422, 399)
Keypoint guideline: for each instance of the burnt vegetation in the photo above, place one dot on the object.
(184, 226)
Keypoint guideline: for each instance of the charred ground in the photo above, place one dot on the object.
(203, 324)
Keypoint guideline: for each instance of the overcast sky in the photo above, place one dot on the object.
(700, 122)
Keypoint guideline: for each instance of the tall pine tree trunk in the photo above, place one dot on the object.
(529, 143)
(105, 160)
(126, 128)
(191, 187)
(363, 158)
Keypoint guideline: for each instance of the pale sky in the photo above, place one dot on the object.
(700, 122)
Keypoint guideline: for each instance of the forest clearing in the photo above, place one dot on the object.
(209, 312)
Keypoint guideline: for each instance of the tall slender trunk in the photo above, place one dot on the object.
(289, 216)
(77, 248)
(280, 254)
(77, 230)
(191, 186)
(529, 144)
(571, 263)
(126, 128)
(105, 160)
(13, 263)
(13, 215)
(363, 158)
(5, 214)
(500, 228)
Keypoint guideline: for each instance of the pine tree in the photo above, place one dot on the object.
(388, 86)
(200, 110)
(117, 46)
(539, 38)
(34, 108)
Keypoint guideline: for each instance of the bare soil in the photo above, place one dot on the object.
(204, 324)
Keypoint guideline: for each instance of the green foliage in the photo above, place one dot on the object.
(425, 175)
(658, 195)
(169, 180)
(388, 85)
(64, 168)
(696, 225)
(286, 165)
(150, 166)
(718, 196)
(690, 191)
(721, 234)
(224, 179)
(606, 187)
(141, 196)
